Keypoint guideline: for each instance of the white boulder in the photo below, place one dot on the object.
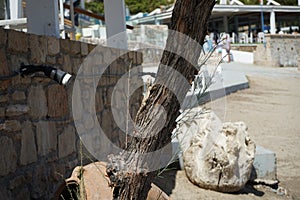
(216, 155)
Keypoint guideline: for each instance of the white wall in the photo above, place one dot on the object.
(240, 56)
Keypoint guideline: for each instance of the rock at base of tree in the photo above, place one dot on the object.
(219, 156)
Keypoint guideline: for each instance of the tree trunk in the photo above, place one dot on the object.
(181, 55)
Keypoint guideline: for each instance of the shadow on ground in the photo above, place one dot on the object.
(167, 182)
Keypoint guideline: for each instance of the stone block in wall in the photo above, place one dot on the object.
(67, 142)
(84, 49)
(115, 68)
(67, 65)
(57, 172)
(53, 44)
(103, 81)
(4, 71)
(103, 92)
(8, 156)
(28, 146)
(5, 193)
(51, 60)
(88, 121)
(99, 100)
(16, 182)
(130, 54)
(138, 58)
(16, 110)
(40, 182)
(21, 83)
(60, 59)
(2, 126)
(87, 101)
(76, 64)
(37, 101)
(21, 192)
(75, 48)
(46, 136)
(65, 45)
(77, 103)
(113, 80)
(106, 121)
(3, 36)
(120, 98)
(18, 96)
(108, 56)
(38, 49)
(2, 112)
(4, 98)
(17, 41)
(11, 126)
(4, 84)
(15, 61)
(91, 47)
(109, 96)
(57, 101)
(95, 61)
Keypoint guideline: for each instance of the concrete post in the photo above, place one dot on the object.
(115, 23)
(272, 22)
(42, 17)
(15, 9)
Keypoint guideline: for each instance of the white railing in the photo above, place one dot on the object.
(13, 22)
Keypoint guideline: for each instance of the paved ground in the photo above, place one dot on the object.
(270, 108)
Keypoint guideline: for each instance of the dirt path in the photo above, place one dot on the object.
(271, 109)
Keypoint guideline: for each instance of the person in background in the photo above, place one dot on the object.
(208, 45)
(227, 47)
(216, 37)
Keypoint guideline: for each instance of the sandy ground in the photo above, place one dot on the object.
(271, 109)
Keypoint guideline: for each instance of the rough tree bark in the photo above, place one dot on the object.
(189, 18)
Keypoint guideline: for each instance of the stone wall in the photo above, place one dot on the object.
(279, 51)
(39, 145)
(148, 39)
(244, 47)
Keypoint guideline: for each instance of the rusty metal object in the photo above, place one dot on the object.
(90, 182)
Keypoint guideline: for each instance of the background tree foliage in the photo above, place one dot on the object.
(95, 6)
(135, 6)
(146, 6)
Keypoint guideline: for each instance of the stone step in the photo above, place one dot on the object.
(264, 165)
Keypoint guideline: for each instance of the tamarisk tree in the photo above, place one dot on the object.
(132, 171)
